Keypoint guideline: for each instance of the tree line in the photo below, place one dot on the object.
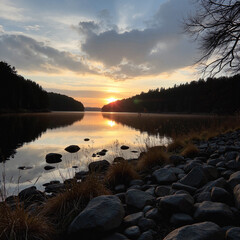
(18, 94)
(214, 95)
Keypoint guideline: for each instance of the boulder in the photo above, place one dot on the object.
(221, 195)
(99, 166)
(146, 236)
(72, 149)
(162, 191)
(236, 193)
(216, 212)
(53, 158)
(102, 214)
(138, 199)
(198, 231)
(233, 233)
(146, 224)
(132, 219)
(181, 219)
(182, 203)
(180, 186)
(132, 232)
(234, 179)
(164, 176)
(195, 178)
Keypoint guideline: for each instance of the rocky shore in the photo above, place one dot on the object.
(195, 198)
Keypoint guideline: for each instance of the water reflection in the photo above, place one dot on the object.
(17, 129)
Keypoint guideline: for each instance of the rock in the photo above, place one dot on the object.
(81, 174)
(234, 179)
(146, 224)
(53, 158)
(124, 147)
(98, 166)
(203, 196)
(55, 188)
(132, 219)
(164, 176)
(198, 231)
(48, 167)
(233, 233)
(120, 188)
(221, 195)
(181, 219)
(138, 199)
(233, 164)
(190, 165)
(180, 186)
(132, 232)
(220, 182)
(231, 155)
(216, 212)
(72, 149)
(195, 178)
(101, 153)
(162, 191)
(136, 182)
(182, 203)
(102, 213)
(86, 139)
(146, 236)
(176, 170)
(211, 172)
(31, 194)
(74, 166)
(147, 208)
(153, 214)
(236, 193)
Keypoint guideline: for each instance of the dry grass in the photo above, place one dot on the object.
(190, 151)
(18, 224)
(120, 173)
(155, 156)
(176, 146)
(64, 207)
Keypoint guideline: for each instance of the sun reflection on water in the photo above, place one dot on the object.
(111, 123)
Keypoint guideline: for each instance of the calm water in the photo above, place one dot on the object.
(25, 139)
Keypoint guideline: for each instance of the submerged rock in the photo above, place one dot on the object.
(99, 166)
(72, 149)
(124, 147)
(48, 167)
(53, 158)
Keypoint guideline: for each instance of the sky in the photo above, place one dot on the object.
(96, 51)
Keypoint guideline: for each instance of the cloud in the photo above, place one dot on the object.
(27, 54)
(32, 27)
(1, 29)
(158, 48)
(11, 12)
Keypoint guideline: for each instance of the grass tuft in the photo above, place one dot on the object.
(190, 151)
(155, 156)
(175, 146)
(19, 224)
(120, 173)
(64, 207)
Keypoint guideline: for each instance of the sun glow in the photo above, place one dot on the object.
(111, 99)
(111, 123)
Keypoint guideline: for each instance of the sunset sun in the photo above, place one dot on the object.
(111, 99)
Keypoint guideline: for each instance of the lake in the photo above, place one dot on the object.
(25, 139)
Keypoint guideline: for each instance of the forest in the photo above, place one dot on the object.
(213, 95)
(18, 94)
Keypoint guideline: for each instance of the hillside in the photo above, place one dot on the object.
(59, 102)
(18, 93)
(214, 95)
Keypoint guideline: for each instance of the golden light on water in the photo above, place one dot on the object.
(111, 99)
(111, 123)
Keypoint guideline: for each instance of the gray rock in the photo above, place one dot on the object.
(102, 213)
(162, 191)
(146, 236)
(136, 182)
(146, 224)
(236, 193)
(210, 172)
(214, 162)
(176, 170)
(233, 233)
(164, 176)
(31, 194)
(147, 208)
(138, 199)
(151, 191)
(153, 214)
(181, 219)
(53, 158)
(231, 155)
(189, 166)
(198, 231)
(203, 196)
(182, 203)
(216, 212)
(234, 179)
(220, 182)
(132, 232)
(226, 174)
(132, 219)
(195, 178)
(221, 195)
(99, 166)
(180, 186)
(72, 149)
(120, 188)
(55, 188)
(233, 164)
